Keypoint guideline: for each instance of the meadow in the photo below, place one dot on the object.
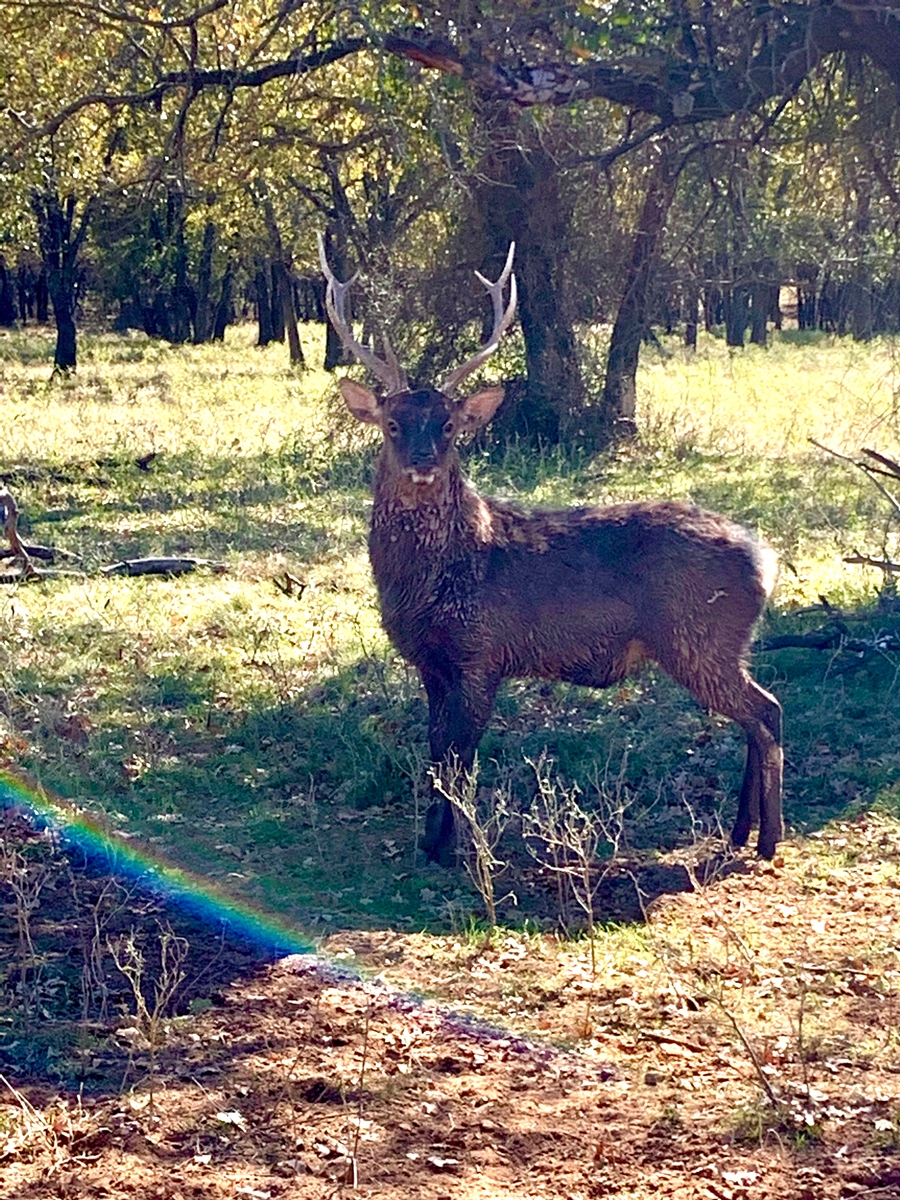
(727, 1028)
(268, 734)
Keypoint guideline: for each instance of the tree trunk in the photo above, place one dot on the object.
(263, 304)
(7, 297)
(225, 307)
(162, 322)
(65, 357)
(336, 255)
(284, 316)
(690, 327)
(42, 298)
(290, 317)
(759, 313)
(181, 295)
(620, 390)
(278, 323)
(775, 305)
(203, 316)
(521, 202)
(761, 299)
(60, 238)
(283, 307)
(737, 312)
(861, 309)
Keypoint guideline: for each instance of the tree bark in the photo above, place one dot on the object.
(203, 317)
(620, 389)
(224, 309)
(521, 201)
(284, 316)
(181, 298)
(61, 237)
(278, 322)
(690, 327)
(760, 304)
(7, 296)
(42, 298)
(263, 303)
(737, 312)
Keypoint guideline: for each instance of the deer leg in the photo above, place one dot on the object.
(759, 715)
(749, 799)
(764, 745)
(726, 688)
(458, 711)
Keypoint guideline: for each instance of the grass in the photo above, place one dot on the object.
(278, 741)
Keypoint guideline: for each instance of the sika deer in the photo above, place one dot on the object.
(474, 590)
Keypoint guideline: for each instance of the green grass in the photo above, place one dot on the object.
(279, 742)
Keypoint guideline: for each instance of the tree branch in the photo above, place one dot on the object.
(198, 81)
(678, 90)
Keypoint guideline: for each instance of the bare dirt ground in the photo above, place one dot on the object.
(740, 1044)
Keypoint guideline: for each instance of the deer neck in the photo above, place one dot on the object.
(447, 516)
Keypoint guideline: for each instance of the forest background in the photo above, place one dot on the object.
(705, 201)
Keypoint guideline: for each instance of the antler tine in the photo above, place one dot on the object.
(394, 365)
(390, 373)
(502, 320)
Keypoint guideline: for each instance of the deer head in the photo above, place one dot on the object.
(420, 426)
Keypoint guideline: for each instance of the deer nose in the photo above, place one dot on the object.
(423, 454)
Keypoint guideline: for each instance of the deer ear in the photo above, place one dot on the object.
(361, 402)
(478, 409)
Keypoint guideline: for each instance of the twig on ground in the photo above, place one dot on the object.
(869, 472)
(10, 511)
(290, 585)
(863, 560)
(754, 1057)
(161, 566)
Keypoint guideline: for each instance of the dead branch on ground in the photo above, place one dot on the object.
(23, 554)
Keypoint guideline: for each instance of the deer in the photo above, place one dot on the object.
(475, 590)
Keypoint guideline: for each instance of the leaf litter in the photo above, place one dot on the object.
(742, 1043)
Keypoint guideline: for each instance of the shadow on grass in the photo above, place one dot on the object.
(209, 505)
(311, 810)
(313, 806)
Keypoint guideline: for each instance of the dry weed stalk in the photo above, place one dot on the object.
(26, 881)
(571, 836)
(31, 1129)
(672, 961)
(354, 1153)
(487, 823)
(93, 920)
(130, 962)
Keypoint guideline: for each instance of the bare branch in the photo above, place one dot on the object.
(121, 16)
(659, 84)
(882, 564)
(868, 471)
(891, 468)
(197, 81)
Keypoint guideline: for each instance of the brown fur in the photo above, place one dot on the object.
(475, 590)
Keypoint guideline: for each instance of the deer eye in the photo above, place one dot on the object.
(448, 428)
(393, 428)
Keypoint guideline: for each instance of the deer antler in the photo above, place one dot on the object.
(388, 370)
(502, 320)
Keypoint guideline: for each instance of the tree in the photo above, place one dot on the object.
(668, 67)
(61, 234)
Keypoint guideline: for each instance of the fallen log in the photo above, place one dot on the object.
(162, 566)
(829, 638)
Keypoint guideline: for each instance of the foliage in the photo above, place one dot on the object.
(278, 740)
